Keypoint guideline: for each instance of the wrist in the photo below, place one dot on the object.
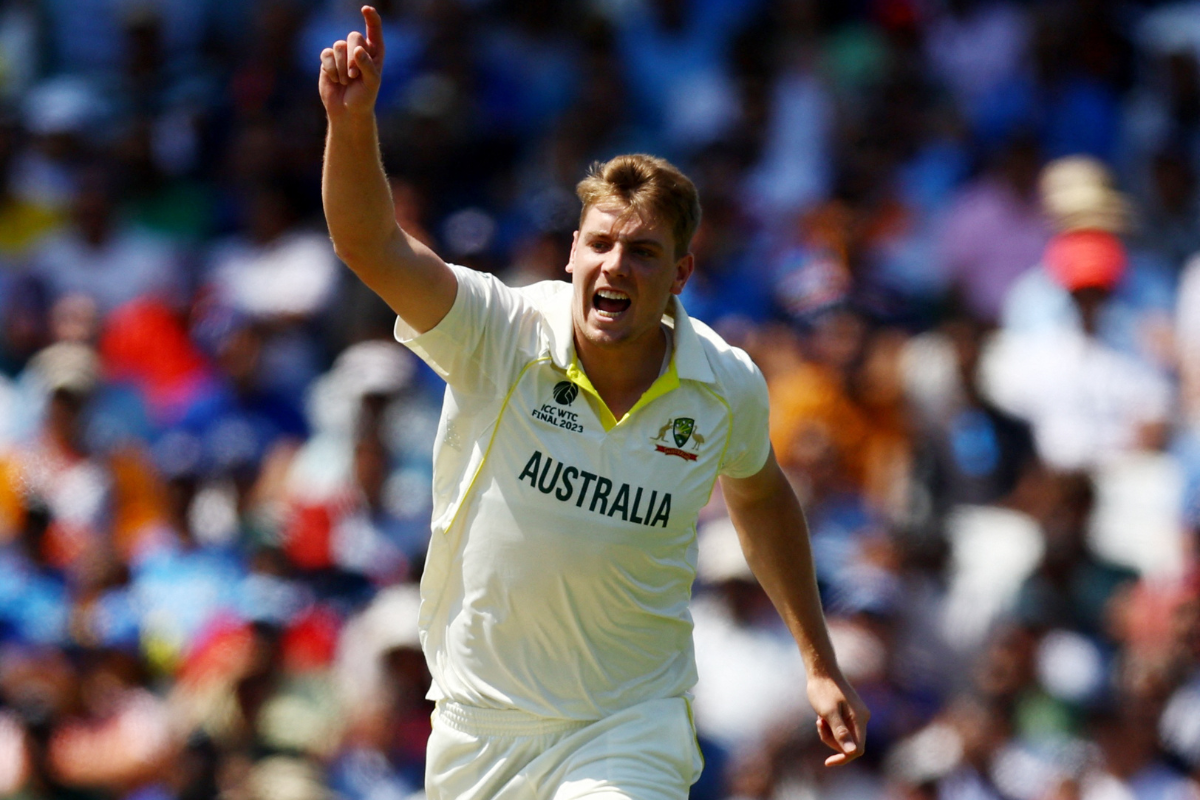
(352, 119)
(820, 666)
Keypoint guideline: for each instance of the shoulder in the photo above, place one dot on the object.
(726, 360)
(529, 319)
(738, 378)
(542, 296)
(739, 384)
(546, 295)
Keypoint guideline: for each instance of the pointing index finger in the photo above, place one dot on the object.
(374, 32)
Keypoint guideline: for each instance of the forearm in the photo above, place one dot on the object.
(409, 277)
(354, 190)
(774, 538)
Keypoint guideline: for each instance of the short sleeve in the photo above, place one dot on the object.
(485, 339)
(749, 441)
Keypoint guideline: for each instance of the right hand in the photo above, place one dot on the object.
(350, 70)
(841, 717)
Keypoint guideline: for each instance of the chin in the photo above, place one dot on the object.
(605, 338)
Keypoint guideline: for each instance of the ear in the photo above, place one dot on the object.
(571, 258)
(683, 270)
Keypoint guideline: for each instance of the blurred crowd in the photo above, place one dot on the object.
(959, 237)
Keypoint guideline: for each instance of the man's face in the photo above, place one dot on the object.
(623, 276)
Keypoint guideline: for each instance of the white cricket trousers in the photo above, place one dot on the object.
(646, 752)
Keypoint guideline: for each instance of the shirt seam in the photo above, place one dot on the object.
(728, 433)
(443, 329)
(491, 441)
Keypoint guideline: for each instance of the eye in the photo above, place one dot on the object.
(599, 245)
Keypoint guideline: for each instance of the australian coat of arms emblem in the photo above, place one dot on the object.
(683, 431)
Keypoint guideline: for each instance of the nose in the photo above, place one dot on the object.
(617, 262)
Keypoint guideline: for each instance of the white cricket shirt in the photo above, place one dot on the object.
(564, 541)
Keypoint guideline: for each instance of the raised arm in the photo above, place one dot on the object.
(410, 277)
(774, 537)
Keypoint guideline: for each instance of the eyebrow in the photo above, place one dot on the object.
(641, 241)
(651, 242)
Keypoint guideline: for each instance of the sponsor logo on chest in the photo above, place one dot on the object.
(559, 413)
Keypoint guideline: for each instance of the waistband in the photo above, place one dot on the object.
(501, 721)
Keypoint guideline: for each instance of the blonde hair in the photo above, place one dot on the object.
(648, 187)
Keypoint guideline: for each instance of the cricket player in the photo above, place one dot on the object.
(583, 428)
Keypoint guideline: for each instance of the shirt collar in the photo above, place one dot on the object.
(689, 358)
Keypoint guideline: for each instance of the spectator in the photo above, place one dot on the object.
(1078, 194)
(1086, 401)
(1072, 588)
(995, 230)
(281, 277)
(104, 259)
(973, 452)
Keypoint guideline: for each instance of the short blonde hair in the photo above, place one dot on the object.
(648, 187)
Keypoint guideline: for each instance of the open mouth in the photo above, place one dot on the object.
(609, 303)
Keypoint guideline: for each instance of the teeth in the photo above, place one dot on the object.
(611, 295)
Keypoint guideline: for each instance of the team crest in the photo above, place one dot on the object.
(682, 430)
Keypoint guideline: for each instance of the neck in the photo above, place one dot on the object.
(621, 375)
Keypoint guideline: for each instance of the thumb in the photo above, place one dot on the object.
(364, 62)
(841, 724)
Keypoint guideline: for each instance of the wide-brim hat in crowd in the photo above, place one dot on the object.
(374, 367)
(720, 557)
(287, 778)
(1078, 193)
(67, 366)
